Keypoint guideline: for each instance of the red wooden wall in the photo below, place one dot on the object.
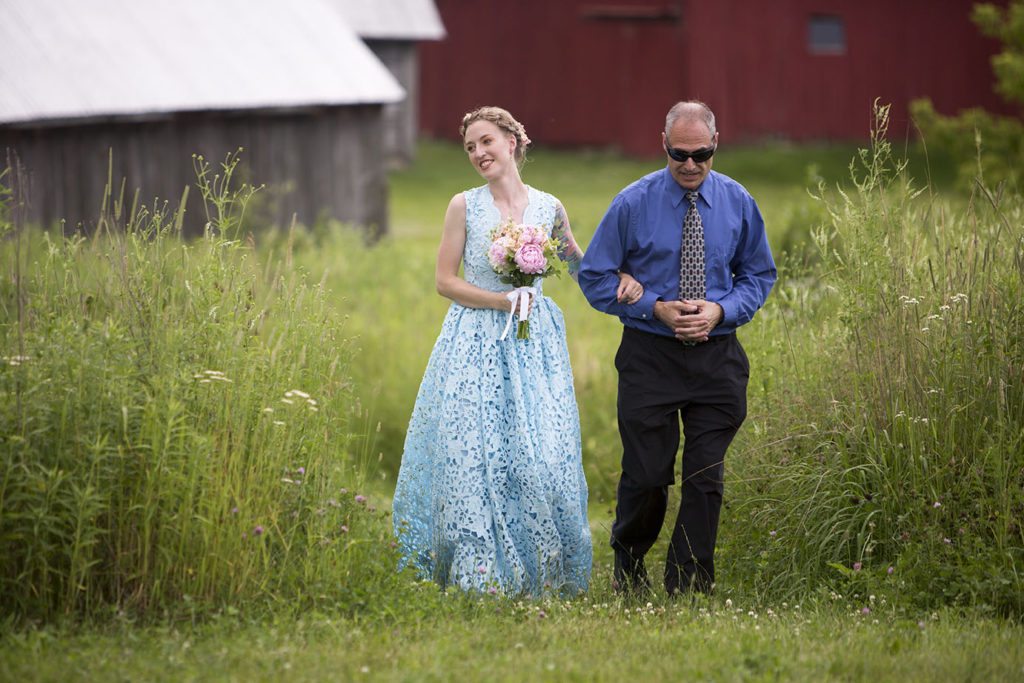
(604, 72)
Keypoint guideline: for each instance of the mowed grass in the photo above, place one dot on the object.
(588, 641)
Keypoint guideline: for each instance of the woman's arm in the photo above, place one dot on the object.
(629, 291)
(449, 256)
(568, 250)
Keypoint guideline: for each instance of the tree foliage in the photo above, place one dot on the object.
(976, 138)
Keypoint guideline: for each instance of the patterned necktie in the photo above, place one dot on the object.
(692, 284)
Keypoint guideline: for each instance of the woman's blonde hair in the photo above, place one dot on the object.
(504, 121)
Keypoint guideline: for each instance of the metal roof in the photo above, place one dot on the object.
(100, 58)
(392, 19)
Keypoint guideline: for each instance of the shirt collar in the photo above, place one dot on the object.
(678, 195)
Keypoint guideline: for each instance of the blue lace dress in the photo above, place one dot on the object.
(491, 494)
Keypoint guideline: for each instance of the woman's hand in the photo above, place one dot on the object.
(515, 303)
(629, 291)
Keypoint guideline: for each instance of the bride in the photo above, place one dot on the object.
(491, 495)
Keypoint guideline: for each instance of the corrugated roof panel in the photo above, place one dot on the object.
(94, 58)
(392, 19)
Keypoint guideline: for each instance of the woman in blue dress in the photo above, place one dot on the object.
(491, 495)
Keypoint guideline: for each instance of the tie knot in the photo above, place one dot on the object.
(691, 196)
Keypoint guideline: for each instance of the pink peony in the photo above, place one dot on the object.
(498, 253)
(530, 259)
(531, 234)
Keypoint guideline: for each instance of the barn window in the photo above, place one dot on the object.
(826, 35)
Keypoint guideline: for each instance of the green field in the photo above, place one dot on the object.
(200, 442)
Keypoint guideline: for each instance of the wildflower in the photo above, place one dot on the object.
(492, 590)
(211, 375)
(394, 544)
(856, 566)
(360, 498)
(890, 570)
(946, 540)
(865, 611)
(937, 504)
(343, 491)
(344, 529)
(258, 531)
(541, 614)
(772, 532)
(482, 569)
(234, 511)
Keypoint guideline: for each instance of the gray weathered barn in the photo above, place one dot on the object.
(393, 29)
(156, 82)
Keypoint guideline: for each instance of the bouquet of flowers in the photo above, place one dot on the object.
(520, 255)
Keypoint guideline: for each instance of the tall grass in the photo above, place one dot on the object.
(185, 424)
(178, 429)
(896, 461)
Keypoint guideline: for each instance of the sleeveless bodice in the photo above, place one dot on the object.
(482, 216)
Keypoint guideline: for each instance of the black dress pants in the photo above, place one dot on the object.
(663, 381)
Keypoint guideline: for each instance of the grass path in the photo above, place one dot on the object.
(585, 641)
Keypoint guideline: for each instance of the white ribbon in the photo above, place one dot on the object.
(522, 296)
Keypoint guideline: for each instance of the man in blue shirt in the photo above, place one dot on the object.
(679, 358)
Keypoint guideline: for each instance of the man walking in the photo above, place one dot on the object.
(696, 241)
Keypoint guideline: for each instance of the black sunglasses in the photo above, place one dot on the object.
(699, 156)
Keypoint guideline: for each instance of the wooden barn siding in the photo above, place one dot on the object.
(401, 125)
(575, 80)
(772, 87)
(319, 162)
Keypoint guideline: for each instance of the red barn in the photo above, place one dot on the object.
(604, 72)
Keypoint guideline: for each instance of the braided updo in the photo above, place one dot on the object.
(503, 120)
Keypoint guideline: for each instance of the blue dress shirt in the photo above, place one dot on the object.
(641, 233)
